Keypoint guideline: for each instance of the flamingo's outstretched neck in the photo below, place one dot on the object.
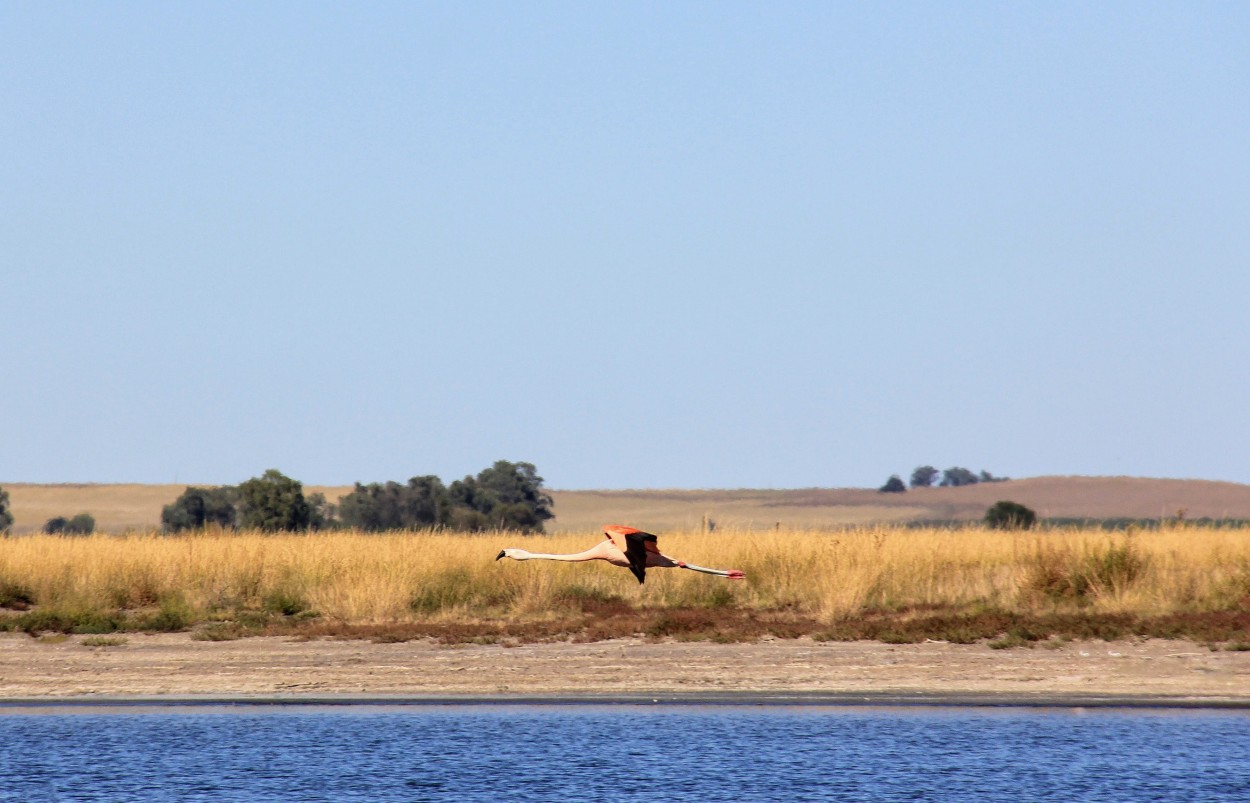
(732, 574)
(521, 554)
(597, 552)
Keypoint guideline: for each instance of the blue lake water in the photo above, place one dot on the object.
(626, 752)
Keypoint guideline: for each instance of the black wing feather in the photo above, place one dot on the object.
(636, 553)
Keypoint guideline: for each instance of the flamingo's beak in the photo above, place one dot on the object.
(500, 555)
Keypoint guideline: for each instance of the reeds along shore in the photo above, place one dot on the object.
(153, 581)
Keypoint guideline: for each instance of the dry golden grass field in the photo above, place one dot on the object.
(117, 508)
(875, 582)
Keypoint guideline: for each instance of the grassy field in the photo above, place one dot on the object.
(877, 582)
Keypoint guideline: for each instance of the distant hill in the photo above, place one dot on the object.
(1050, 497)
(132, 506)
(115, 507)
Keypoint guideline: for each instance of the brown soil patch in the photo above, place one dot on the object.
(175, 664)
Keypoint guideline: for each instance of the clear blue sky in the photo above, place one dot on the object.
(636, 244)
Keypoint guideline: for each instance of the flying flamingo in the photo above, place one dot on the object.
(627, 547)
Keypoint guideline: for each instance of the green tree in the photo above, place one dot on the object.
(509, 496)
(520, 499)
(322, 513)
(369, 507)
(198, 508)
(424, 502)
(6, 518)
(923, 476)
(505, 496)
(468, 520)
(894, 485)
(55, 525)
(1007, 515)
(421, 504)
(273, 502)
(956, 477)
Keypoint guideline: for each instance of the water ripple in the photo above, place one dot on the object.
(569, 753)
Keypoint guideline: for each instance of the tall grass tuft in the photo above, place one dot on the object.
(15, 596)
(1094, 571)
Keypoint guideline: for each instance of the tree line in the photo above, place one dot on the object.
(506, 496)
(928, 476)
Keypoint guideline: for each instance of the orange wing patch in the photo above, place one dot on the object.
(619, 534)
(635, 544)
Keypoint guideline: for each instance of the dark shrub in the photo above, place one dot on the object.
(6, 517)
(82, 524)
(894, 485)
(1006, 515)
(15, 596)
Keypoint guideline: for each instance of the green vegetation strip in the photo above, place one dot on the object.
(599, 621)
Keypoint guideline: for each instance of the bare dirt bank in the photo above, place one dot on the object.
(174, 665)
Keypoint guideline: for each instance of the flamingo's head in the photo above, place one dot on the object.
(515, 554)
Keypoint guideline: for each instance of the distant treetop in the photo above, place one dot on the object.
(894, 485)
(954, 477)
(506, 496)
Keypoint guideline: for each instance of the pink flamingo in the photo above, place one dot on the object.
(627, 547)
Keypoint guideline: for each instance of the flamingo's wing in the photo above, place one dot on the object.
(635, 544)
(636, 548)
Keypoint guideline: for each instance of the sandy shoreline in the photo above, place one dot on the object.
(176, 668)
